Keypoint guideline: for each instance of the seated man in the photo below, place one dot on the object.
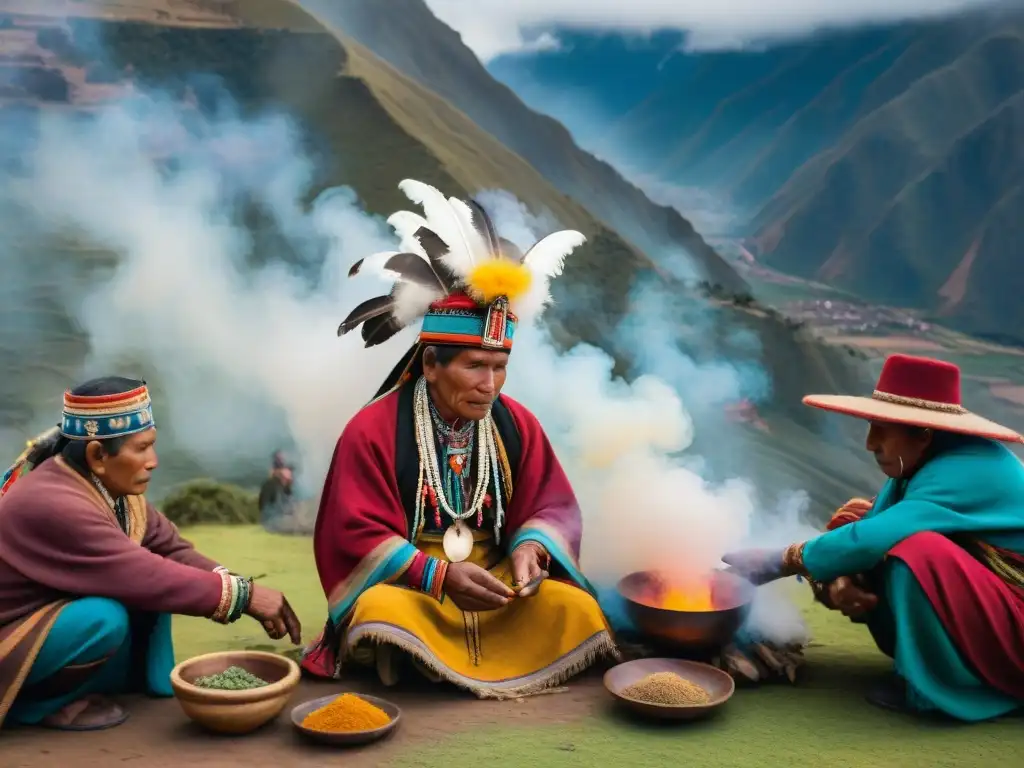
(90, 572)
(443, 493)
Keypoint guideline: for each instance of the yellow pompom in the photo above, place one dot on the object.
(494, 278)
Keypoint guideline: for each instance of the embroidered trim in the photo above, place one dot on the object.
(917, 402)
(433, 577)
(539, 682)
(105, 416)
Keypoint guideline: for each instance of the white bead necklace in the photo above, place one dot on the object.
(487, 466)
(428, 455)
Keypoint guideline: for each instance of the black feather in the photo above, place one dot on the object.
(380, 329)
(436, 249)
(354, 269)
(413, 268)
(369, 309)
(485, 227)
(431, 242)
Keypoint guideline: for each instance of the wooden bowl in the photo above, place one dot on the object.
(688, 631)
(235, 712)
(345, 738)
(719, 685)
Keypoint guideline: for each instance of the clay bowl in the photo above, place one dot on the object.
(687, 631)
(717, 683)
(235, 712)
(346, 738)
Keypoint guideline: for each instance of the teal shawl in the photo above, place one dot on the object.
(973, 487)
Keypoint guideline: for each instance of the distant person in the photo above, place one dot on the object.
(934, 565)
(276, 500)
(90, 572)
(445, 494)
(278, 461)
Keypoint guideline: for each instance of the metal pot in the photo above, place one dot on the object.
(687, 631)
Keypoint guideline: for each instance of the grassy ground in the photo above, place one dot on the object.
(288, 564)
(823, 721)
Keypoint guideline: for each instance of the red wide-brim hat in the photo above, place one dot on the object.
(919, 392)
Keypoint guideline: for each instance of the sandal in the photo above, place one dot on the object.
(99, 714)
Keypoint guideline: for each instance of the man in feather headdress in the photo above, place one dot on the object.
(445, 510)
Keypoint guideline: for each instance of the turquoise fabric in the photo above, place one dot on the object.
(974, 486)
(87, 630)
(906, 626)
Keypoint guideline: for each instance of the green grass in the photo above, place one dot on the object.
(822, 721)
(288, 564)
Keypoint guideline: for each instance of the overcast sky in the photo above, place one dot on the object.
(491, 27)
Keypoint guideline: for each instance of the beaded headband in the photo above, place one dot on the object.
(101, 417)
(491, 327)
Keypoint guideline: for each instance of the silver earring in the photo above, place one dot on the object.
(901, 466)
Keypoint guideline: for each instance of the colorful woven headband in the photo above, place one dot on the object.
(101, 417)
(459, 321)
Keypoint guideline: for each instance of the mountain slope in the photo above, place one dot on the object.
(267, 57)
(373, 126)
(911, 178)
(844, 156)
(406, 34)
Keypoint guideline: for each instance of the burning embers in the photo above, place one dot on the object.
(675, 593)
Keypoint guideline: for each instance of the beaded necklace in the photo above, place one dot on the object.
(117, 506)
(448, 491)
(457, 447)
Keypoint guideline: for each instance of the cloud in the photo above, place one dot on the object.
(493, 27)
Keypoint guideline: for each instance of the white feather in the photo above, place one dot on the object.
(412, 301)
(547, 256)
(374, 264)
(477, 243)
(545, 260)
(406, 223)
(441, 218)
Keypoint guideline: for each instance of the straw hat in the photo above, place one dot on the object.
(918, 391)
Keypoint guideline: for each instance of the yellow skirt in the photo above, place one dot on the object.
(524, 647)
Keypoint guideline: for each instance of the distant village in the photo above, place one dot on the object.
(849, 317)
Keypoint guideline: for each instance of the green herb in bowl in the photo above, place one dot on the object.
(231, 679)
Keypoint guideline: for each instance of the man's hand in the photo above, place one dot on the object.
(528, 560)
(472, 588)
(271, 609)
(758, 566)
(848, 597)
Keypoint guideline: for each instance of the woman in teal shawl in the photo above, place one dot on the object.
(935, 564)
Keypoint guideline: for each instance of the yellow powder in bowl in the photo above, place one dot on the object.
(346, 714)
(666, 688)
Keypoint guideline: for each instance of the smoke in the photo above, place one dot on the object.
(245, 353)
(647, 501)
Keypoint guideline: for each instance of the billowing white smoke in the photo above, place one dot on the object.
(239, 354)
(246, 356)
(645, 506)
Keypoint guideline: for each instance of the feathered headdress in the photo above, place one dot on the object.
(453, 270)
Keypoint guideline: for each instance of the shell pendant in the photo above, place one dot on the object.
(457, 542)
